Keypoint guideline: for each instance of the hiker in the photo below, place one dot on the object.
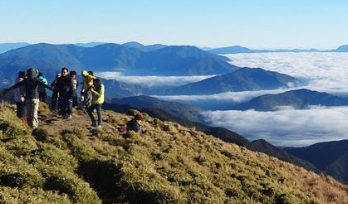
(55, 96)
(31, 85)
(75, 85)
(42, 90)
(65, 90)
(97, 91)
(86, 96)
(135, 124)
(19, 97)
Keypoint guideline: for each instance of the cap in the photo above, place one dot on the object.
(138, 117)
(84, 73)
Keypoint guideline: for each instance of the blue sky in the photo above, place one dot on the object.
(205, 23)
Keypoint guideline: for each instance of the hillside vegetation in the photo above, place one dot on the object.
(67, 161)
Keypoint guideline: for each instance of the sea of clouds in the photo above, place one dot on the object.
(324, 72)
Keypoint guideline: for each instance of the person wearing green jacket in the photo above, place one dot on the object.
(97, 91)
(42, 89)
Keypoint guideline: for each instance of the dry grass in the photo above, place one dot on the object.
(67, 161)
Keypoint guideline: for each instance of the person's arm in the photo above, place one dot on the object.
(45, 81)
(54, 82)
(13, 87)
(100, 92)
(44, 85)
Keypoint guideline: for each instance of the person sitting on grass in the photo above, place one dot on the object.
(135, 124)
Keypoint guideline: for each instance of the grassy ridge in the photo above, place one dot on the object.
(69, 162)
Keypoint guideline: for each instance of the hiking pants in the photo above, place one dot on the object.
(32, 106)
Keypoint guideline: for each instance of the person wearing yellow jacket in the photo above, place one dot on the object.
(86, 96)
(97, 91)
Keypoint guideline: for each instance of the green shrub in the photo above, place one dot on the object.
(11, 129)
(31, 196)
(19, 180)
(77, 190)
(40, 134)
(104, 177)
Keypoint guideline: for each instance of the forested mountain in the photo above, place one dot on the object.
(294, 99)
(243, 79)
(156, 60)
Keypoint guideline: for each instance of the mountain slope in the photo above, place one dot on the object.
(230, 50)
(296, 99)
(49, 59)
(4, 47)
(183, 61)
(329, 157)
(178, 109)
(72, 163)
(218, 132)
(144, 48)
(342, 48)
(243, 79)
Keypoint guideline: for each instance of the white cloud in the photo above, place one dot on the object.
(233, 97)
(152, 80)
(324, 71)
(285, 127)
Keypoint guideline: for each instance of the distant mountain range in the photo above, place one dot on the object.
(329, 157)
(135, 59)
(157, 60)
(243, 79)
(294, 99)
(240, 49)
(4, 47)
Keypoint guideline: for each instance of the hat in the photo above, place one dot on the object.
(32, 72)
(138, 117)
(84, 73)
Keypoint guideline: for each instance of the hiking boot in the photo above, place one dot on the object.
(94, 125)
